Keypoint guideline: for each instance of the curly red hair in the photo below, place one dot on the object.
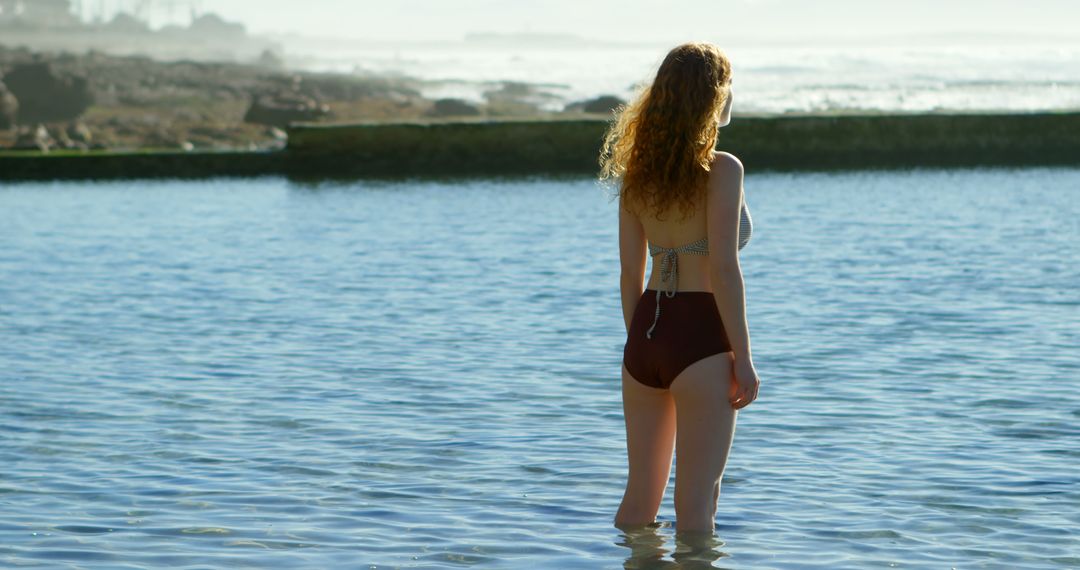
(660, 144)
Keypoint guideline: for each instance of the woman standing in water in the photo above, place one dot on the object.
(686, 368)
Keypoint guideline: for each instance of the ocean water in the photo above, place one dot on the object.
(425, 374)
(915, 77)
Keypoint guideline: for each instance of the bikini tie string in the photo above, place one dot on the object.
(669, 270)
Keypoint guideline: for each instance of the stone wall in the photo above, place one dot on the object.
(485, 147)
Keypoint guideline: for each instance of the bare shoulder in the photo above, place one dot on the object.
(724, 161)
(726, 175)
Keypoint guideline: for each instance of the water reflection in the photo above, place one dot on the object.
(650, 548)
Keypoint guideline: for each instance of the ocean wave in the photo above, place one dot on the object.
(766, 79)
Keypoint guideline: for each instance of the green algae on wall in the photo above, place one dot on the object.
(109, 165)
(448, 147)
(858, 141)
(787, 142)
(470, 147)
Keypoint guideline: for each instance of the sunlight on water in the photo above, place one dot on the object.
(426, 374)
(772, 79)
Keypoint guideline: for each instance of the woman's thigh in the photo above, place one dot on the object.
(705, 426)
(650, 434)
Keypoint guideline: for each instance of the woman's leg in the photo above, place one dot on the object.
(650, 441)
(706, 429)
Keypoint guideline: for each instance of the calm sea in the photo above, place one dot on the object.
(425, 374)
(913, 77)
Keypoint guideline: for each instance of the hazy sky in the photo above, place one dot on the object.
(650, 20)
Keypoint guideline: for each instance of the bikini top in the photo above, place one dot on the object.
(669, 264)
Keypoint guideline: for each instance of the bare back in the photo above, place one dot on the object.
(693, 272)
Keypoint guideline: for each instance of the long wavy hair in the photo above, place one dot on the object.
(659, 145)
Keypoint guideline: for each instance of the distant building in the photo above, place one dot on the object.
(47, 13)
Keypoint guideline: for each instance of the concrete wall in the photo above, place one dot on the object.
(106, 165)
(450, 147)
(825, 142)
(487, 147)
(762, 142)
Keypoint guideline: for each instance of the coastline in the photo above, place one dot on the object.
(137, 117)
(483, 147)
(129, 102)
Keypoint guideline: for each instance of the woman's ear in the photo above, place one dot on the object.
(725, 115)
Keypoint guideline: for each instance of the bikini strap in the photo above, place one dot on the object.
(669, 270)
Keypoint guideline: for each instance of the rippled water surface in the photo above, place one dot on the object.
(264, 373)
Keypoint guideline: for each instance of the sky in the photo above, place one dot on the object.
(646, 20)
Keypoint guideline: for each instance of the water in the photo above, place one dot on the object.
(1003, 77)
(425, 374)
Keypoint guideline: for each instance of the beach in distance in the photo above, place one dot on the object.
(138, 102)
(138, 117)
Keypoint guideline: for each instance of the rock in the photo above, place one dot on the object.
(510, 89)
(603, 104)
(161, 138)
(33, 138)
(334, 87)
(270, 59)
(209, 131)
(62, 139)
(9, 107)
(212, 25)
(280, 109)
(514, 98)
(73, 136)
(453, 108)
(43, 96)
(79, 132)
(124, 23)
(279, 139)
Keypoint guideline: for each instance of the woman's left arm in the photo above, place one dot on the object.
(632, 248)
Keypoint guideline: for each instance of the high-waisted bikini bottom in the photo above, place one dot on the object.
(689, 329)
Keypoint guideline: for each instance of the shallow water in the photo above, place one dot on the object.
(263, 373)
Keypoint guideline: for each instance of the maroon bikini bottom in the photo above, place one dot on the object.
(689, 329)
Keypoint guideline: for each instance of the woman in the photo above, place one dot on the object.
(686, 368)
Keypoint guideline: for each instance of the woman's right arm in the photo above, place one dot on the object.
(724, 206)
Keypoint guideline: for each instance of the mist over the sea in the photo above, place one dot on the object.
(902, 76)
(788, 55)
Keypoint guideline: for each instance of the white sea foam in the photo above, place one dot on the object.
(767, 79)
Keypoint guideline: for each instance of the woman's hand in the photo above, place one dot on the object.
(744, 383)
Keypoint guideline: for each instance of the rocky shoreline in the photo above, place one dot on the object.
(94, 100)
(495, 147)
